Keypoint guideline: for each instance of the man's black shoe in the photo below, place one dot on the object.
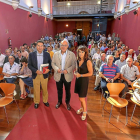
(36, 106)
(68, 107)
(46, 104)
(58, 105)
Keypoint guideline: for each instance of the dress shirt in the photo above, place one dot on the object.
(39, 59)
(63, 58)
(10, 70)
(2, 57)
(129, 73)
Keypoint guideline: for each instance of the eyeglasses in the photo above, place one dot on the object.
(64, 45)
(10, 58)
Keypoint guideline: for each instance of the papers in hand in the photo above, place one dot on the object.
(43, 67)
(22, 76)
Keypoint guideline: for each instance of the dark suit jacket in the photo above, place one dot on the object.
(32, 63)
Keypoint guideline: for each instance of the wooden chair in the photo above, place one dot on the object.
(136, 103)
(136, 63)
(114, 99)
(8, 90)
(1, 75)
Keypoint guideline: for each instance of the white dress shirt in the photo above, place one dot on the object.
(63, 57)
(2, 57)
(10, 70)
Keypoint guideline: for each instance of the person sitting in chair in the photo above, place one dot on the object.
(27, 78)
(10, 70)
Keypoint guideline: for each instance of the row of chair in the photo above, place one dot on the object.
(114, 99)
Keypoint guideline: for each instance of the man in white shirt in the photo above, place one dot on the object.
(2, 57)
(10, 70)
(129, 73)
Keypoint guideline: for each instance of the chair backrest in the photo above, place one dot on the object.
(7, 88)
(115, 88)
(1, 70)
(136, 63)
(138, 68)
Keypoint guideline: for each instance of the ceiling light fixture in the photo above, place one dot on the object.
(68, 4)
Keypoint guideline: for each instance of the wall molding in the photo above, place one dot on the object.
(130, 9)
(24, 8)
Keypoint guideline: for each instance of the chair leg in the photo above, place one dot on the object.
(126, 116)
(6, 114)
(101, 96)
(16, 104)
(133, 112)
(110, 113)
(103, 107)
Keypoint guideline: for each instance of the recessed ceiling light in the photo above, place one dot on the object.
(67, 25)
(99, 2)
(68, 3)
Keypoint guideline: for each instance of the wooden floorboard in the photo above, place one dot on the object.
(98, 127)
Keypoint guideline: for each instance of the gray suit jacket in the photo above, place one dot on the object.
(70, 64)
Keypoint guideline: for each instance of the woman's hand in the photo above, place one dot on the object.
(78, 75)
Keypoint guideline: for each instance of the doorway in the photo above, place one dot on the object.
(79, 31)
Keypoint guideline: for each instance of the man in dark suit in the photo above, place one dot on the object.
(35, 60)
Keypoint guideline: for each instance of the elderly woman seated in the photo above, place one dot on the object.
(25, 78)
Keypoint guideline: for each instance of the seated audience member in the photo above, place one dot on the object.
(23, 52)
(11, 50)
(46, 37)
(30, 50)
(2, 57)
(123, 49)
(10, 70)
(129, 73)
(34, 47)
(50, 52)
(131, 54)
(121, 62)
(116, 56)
(42, 38)
(93, 50)
(25, 45)
(117, 38)
(19, 58)
(103, 47)
(103, 38)
(15, 52)
(120, 51)
(110, 51)
(99, 62)
(96, 56)
(109, 73)
(44, 49)
(138, 51)
(25, 71)
(119, 46)
(8, 53)
(127, 48)
(56, 48)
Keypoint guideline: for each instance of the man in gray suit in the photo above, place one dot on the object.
(63, 63)
(99, 62)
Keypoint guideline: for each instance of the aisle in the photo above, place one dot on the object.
(49, 123)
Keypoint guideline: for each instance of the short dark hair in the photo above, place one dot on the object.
(11, 55)
(34, 44)
(40, 41)
(24, 59)
(19, 51)
(24, 44)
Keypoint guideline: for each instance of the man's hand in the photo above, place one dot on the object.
(65, 71)
(107, 79)
(112, 80)
(47, 70)
(59, 71)
(7, 75)
(129, 82)
(39, 72)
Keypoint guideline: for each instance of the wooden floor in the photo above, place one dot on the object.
(97, 124)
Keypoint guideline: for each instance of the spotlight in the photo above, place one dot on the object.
(135, 2)
(119, 18)
(30, 15)
(135, 12)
